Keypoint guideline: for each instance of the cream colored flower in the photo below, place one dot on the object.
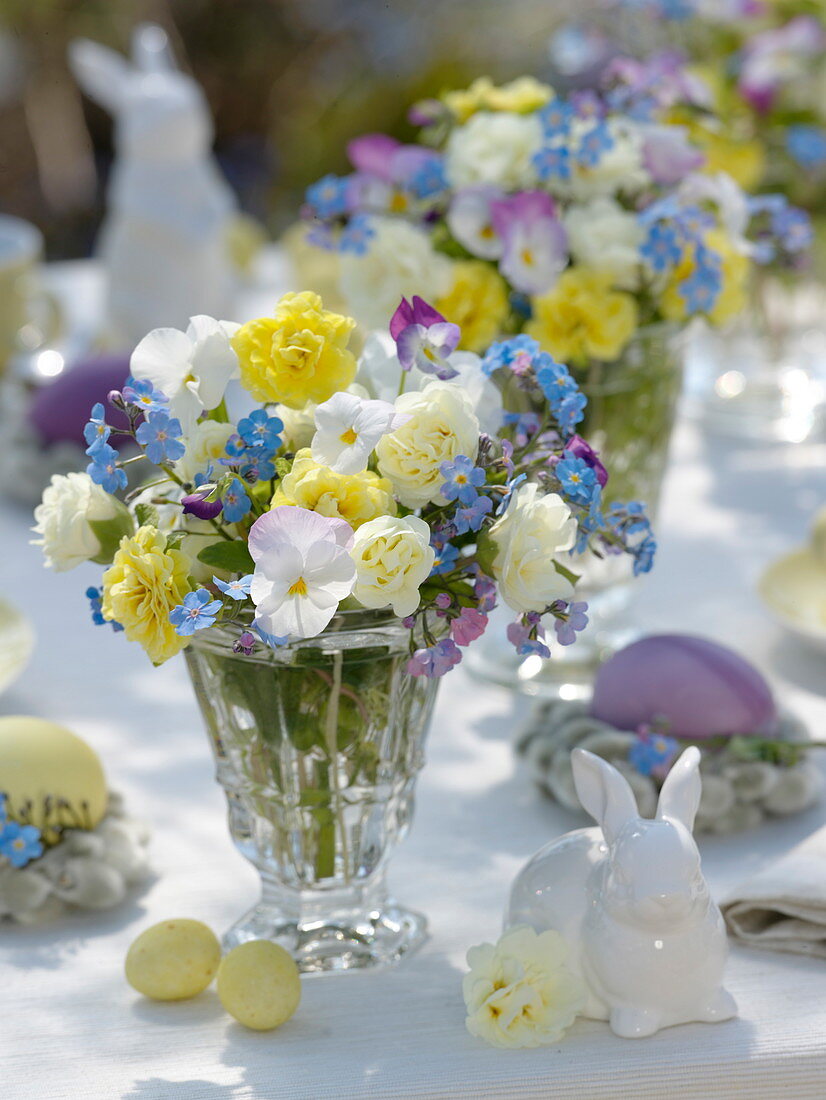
(520, 992)
(534, 528)
(142, 585)
(74, 520)
(442, 425)
(494, 148)
(393, 558)
(299, 425)
(606, 238)
(204, 445)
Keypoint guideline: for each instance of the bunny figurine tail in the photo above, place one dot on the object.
(630, 898)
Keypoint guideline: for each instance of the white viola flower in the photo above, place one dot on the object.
(399, 262)
(469, 220)
(78, 521)
(205, 444)
(303, 569)
(730, 200)
(192, 368)
(533, 529)
(494, 148)
(603, 236)
(441, 424)
(348, 428)
(393, 558)
(520, 991)
(620, 170)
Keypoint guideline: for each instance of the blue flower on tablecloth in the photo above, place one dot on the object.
(236, 501)
(238, 589)
(160, 437)
(141, 392)
(104, 469)
(197, 612)
(97, 430)
(20, 844)
(653, 753)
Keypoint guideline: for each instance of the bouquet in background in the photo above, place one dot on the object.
(398, 481)
(578, 221)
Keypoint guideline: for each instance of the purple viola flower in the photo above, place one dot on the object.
(244, 643)
(424, 339)
(198, 502)
(534, 242)
(581, 448)
(373, 154)
(771, 55)
(435, 660)
(668, 155)
(469, 625)
(569, 620)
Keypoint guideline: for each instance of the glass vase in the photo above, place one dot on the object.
(317, 746)
(629, 419)
(763, 377)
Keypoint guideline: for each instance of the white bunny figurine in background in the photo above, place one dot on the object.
(631, 900)
(164, 239)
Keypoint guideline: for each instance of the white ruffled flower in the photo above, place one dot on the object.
(494, 148)
(534, 528)
(192, 368)
(469, 220)
(204, 446)
(393, 558)
(441, 425)
(520, 992)
(619, 170)
(399, 262)
(303, 569)
(603, 236)
(71, 503)
(348, 428)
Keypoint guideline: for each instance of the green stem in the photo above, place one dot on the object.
(331, 737)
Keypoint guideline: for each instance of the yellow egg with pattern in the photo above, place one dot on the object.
(50, 777)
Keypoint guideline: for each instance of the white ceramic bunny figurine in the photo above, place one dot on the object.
(164, 239)
(631, 901)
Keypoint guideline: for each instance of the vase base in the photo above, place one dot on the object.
(354, 941)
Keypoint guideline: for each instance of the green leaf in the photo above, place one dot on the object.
(174, 540)
(147, 514)
(566, 573)
(233, 557)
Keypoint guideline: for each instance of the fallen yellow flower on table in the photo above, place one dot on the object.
(520, 992)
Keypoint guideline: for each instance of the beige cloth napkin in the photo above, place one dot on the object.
(783, 907)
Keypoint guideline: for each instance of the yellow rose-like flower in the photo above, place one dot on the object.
(477, 302)
(742, 158)
(520, 993)
(141, 586)
(522, 95)
(354, 497)
(298, 355)
(583, 317)
(734, 272)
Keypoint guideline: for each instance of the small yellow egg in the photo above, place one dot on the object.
(173, 960)
(41, 761)
(258, 984)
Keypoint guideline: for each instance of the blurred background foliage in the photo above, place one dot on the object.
(289, 83)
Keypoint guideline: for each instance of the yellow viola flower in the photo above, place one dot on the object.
(521, 96)
(356, 498)
(477, 302)
(583, 317)
(141, 586)
(743, 159)
(735, 270)
(298, 355)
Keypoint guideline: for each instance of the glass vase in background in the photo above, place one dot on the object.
(318, 745)
(629, 419)
(763, 378)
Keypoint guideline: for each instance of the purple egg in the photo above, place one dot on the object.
(60, 409)
(702, 688)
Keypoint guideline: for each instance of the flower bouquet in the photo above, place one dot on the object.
(322, 561)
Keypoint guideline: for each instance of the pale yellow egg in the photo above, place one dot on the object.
(173, 960)
(49, 776)
(258, 984)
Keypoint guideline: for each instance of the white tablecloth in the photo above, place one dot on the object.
(72, 1029)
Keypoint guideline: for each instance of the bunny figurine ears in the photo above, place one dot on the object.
(608, 798)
